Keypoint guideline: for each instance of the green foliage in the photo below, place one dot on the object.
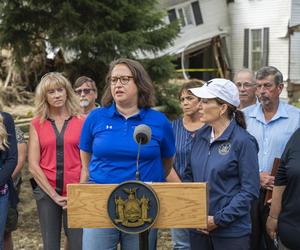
(95, 31)
(168, 98)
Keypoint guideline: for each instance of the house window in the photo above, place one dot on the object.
(197, 13)
(185, 15)
(188, 14)
(172, 15)
(256, 48)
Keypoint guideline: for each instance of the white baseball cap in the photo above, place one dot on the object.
(221, 88)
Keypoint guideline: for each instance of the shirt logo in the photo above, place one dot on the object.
(108, 126)
(224, 148)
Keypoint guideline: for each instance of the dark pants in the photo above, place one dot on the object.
(200, 241)
(259, 239)
(52, 217)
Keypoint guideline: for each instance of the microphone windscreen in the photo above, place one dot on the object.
(142, 134)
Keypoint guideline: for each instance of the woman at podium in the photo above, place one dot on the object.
(224, 155)
(108, 150)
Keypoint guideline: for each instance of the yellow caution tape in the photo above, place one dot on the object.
(198, 70)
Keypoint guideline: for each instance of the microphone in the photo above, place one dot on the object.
(141, 135)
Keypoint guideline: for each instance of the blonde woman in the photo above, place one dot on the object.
(8, 162)
(54, 158)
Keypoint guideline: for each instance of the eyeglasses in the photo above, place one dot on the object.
(245, 85)
(123, 79)
(85, 91)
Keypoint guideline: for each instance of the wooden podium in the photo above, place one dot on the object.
(182, 205)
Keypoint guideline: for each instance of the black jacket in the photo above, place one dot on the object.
(9, 157)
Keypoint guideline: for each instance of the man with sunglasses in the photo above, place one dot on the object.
(86, 90)
(245, 81)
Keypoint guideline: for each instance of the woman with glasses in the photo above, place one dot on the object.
(8, 162)
(54, 157)
(224, 155)
(108, 150)
(185, 129)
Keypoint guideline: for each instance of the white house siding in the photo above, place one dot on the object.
(258, 14)
(295, 13)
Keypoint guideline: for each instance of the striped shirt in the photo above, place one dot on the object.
(183, 142)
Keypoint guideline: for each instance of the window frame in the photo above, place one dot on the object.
(258, 64)
(185, 14)
(248, 48)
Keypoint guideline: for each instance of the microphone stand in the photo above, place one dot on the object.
(144, 236)
(137, 173)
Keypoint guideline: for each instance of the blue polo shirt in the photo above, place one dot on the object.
(230, 167)
(108, 137)
(272, 135)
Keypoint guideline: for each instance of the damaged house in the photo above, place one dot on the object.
(201, 48)
(219, 37)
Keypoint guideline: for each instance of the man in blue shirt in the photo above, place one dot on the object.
(271, 122)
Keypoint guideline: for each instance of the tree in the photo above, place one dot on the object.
(94, 32)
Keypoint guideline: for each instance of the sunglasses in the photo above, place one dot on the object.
(85, 91)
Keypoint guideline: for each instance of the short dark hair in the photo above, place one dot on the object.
(146, 91)
(83, 79)
(266, 71)
(193, 83)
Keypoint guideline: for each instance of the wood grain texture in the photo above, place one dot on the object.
(182, 205)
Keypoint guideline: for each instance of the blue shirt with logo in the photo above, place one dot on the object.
(272, 135)
(108, 137)
(230, 167)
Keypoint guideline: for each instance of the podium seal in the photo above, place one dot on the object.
(133, 207)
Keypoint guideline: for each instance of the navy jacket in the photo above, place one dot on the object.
(230, 167)
(9, 157)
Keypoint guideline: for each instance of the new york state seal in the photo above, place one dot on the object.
(133, 207)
